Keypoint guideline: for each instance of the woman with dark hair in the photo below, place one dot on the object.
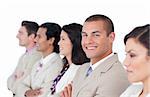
(74, 56)
(137, 61)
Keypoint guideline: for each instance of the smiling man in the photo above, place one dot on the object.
(104, 76)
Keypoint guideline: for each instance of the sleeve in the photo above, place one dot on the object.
(32, 60)
(23, 87)
(11, 81)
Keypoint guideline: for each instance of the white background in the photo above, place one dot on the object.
(125, 14)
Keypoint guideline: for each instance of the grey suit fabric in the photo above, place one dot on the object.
(109, 79)
(24, 66)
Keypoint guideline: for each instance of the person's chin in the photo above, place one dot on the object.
(61, 52)
(132, 80)
(21, 44)
(38, 49)
(89, 56)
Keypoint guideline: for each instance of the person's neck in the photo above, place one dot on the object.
(30, 46)
(98, 58)
(69, 60)
(46, 53)
(146, 87)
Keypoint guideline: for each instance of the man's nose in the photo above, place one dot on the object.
(35, 39)
(89, 39)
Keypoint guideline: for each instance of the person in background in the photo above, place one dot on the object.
(74, 56)
(26, 36)
(137, 61)
(49, 66)
(104, 76)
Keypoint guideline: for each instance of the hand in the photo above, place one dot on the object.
(18, 75)
(67, 92)
(33, 93)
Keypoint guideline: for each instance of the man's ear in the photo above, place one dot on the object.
(32, 36)
(112, 36)
(51, 40)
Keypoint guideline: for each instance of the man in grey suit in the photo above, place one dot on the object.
(48, 67)
(104, 76)
(26, 36)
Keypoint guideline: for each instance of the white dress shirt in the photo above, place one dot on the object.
(99, 62)
(65, 79)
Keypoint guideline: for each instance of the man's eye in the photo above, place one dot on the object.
(83, 35)
(38, 36)
(96, 35)
(132, 55)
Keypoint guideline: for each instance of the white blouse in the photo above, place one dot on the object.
(65, 79)
(133, 90)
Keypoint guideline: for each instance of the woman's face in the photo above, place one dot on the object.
(137, 62)
(65, 45)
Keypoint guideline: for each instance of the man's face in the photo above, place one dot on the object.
(95, 41)
(41, 40)
(23, 36)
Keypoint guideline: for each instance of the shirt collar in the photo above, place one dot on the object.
(100, 61)
(47, 58)
(29, 50)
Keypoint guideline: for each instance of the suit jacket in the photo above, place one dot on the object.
(23, 68)
(107, 80)
(133, 90)
(42, 79)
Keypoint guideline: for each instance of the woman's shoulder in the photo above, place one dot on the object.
(73, 68)
(134, 89)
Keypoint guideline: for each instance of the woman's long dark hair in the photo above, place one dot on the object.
(74, 33)
(142, 35)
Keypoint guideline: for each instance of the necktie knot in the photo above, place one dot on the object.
(39, 67)
(89, 71)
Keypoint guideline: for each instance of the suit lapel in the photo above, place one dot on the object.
(39, 75)
(102, 68)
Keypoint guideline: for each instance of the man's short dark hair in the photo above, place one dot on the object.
(31, 27)
(53, 31)
(109, 26)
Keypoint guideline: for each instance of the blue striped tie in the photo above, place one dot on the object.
(89, 71)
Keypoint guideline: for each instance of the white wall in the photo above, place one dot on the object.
(125, 14)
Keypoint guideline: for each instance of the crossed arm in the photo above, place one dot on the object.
(67, 92)
(33, 92)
